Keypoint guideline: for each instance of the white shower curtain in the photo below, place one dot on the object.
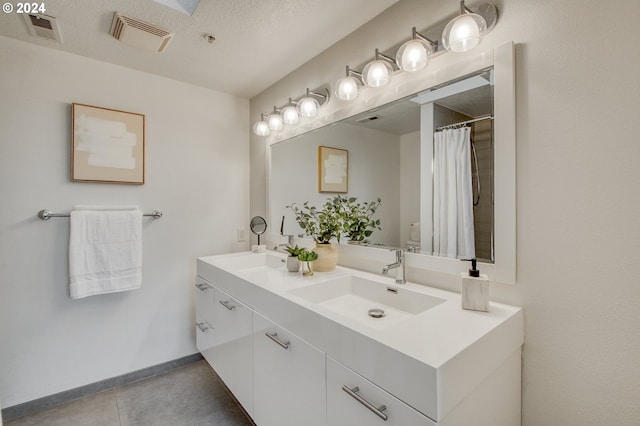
(453, 233)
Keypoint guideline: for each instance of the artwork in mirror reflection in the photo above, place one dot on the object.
(433, 174)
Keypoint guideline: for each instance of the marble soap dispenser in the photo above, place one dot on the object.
(475, 289)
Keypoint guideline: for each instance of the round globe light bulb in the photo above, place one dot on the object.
(290, 115)
(261, 128)
(275, 122)
(347, 88)
(414, 55)
(308, 107)
(377, 73)
(464, 32)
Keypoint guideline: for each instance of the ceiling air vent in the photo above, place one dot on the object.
(139, 33)
(42, 26)
(369, 118)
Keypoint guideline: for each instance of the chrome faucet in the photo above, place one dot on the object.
(399, 265)
(289, 237)
(283, 245)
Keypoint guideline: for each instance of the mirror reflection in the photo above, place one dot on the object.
(428, 157)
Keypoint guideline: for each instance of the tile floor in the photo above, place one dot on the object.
(192, 395)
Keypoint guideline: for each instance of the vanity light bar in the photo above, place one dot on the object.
(464, 32)
(306, 106)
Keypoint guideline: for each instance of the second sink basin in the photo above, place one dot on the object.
(354, 298)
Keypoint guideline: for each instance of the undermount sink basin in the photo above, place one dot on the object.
(361, 300)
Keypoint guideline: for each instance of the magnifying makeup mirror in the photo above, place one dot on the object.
(258, 226)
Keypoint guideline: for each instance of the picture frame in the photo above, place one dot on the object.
(333, 170)
(107, 145)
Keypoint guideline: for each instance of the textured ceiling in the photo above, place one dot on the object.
(257, 41)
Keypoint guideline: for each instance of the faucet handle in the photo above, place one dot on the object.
(399, 253)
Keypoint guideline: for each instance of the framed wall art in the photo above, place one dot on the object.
(107, 145)
(333, 170)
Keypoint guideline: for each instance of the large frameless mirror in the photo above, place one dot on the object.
(453, 123)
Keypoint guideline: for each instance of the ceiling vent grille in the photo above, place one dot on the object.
(139, 33)
(369, 118)
(42, 26)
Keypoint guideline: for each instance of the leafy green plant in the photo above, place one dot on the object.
(322, 225)
(307, 256)
(294, 251)
(358, 222)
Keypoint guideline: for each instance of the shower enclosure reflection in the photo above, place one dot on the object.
(437, 196)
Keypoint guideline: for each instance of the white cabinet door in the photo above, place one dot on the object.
(204, 318)
(352, 400)
(289, 378)
(232, 351)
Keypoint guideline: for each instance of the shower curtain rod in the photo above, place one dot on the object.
(462, 123)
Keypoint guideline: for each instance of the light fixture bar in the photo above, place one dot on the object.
(380, 55)
(351, 72)
(324, 96)
(417, 36)
(464, 9)
(275, 120)
(487, 10)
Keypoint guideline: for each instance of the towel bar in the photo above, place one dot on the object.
(48, 214)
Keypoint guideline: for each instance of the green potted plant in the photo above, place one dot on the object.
(323, 225)
(358, 222)
(306, 257)
(293, 262)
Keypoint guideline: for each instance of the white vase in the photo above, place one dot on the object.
(327, 258)
(293, 264)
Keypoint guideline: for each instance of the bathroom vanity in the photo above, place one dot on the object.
(306, 350)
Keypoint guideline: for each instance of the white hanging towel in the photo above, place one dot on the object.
(105, 250)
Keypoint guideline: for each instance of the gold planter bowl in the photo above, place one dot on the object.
(327, 258)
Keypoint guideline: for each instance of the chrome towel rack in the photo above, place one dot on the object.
(48, 214)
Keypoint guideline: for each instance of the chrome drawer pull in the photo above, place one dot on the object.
(203, 326)
(377, 411)
(274, 337)
(226, 304)
(202, 286)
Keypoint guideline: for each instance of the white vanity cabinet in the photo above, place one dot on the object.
(353, 400)
(289, 378)
(293, 354)
(232, 346)
(204, 318)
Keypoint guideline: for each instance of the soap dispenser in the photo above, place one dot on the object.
(475, 289)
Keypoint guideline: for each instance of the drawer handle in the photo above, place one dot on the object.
(202, 286)
(203, 326)
(274, 337)
(377, 411)
(226, 304)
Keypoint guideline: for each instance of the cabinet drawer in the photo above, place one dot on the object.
(289, 378)
(204, 318)
(352, 400)
(232, 346)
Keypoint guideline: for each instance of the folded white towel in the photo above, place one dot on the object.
(105, 250)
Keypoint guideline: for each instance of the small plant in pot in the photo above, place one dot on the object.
(323, 225)
(358, 222)
(306, 257)
(293, 261)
